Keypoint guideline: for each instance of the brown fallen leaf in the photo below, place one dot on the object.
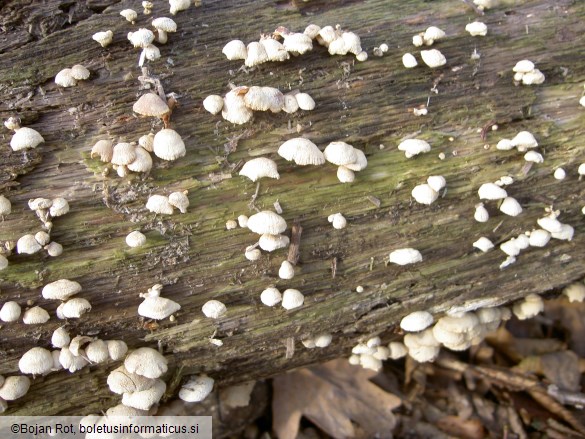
(332, 395)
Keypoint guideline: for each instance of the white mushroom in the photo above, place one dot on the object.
(145, 399)
(270, 296)
(256, 54)
(260, 167)
(168, 145)
(60, 338)
(196, 389)
(97, 352)
(269, 243)
(117, 349)
(213, 309)
(35, 316)
(481, 214)
(159, 204)
(179, 200)
(510, 206)
(409, 61)
(305, 101)
(25, 138)
(539, 238)
(65, 79)
(477, 28)
(266, 222)
(286, 270)
(10, 312)
(417, 321)
(483, 244)
(491, 191)
(213, 104)
(146, 362)
(433, 58)
(235, 50)
(575, 292)
(129, 14)
(337, 220)
(302, 151)
(524, 140)
(27, 244)
(5, 206)
(405, 256)
(156, 307)
(61, 289)
(75, 308)
(424, 194)
(103, 38)
(531, 306)
(234, 107)
(36, 361)
(412, 147)
(164, 25)
(292, 298)
(14, 387)
(135, 239)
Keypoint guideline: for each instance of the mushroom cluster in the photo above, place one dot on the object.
(69, 77)
(339, 42)
(347, 158)
(371, 353)
(317, 341)
(143, 38)
(124, 157)
(24, 137)
(239, 103)
(523, 141)
(427, 193)
(428, 37)
(526, 73)
(166, 205)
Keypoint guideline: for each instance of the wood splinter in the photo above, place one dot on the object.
(295, 243)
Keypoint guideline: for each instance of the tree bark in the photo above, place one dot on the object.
(366, 104)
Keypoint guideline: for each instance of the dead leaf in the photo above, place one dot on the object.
(569, 316)
(332, 395)
(562, 369)
(468, 429)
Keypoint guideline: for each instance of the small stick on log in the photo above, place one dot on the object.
(473, 6)
(295, 243)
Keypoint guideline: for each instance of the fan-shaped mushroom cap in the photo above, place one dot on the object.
(531, 306)
(142, 162)
(103, 149)
(234, 107)
(550, 224)
(510, 206)
(135, 239)
(146, 141)
(575, 292)
(61, 289)
(340, 153)
(165, 24)
(73, 308)
(79, 72)
(337, 220)
(360, 163)
(302, 151)
(524, 140)
(141, 38)
(116, 349)
(196, 389)
(292, 298)
(157, 308)
(405, 256)
(264, 99)
(539, 238)
(491, 191)
(159, 204)
(5, 206)
(270, 296)
(36, 361)
(25, 138)
(10, 312)
(260, 167)
(345, 175)
(150, 104)
(297, 43)
(65, 78)
(433, 33)
(235, 50)
(305, 101)
(412, 147)
(523, 66)
(97, 352)
(103, 38)
(179, 5)
(213, 103)
(146, 362)
(213, 309)
(267, 222)
(256, 54)
(145, 399)
(14, 387)
(59, 207)
(312, 30)
(437, 182)
(60, 338)
(409, 61)
(179, 200)
(129, 14)
(477, 28)
(27, 244)
(270, 242)
(286, 270)
(42, 237)
(274, 49)
(483, 244)
(433, 58)
(338, 46)
(424, 194)
(123, 154)
(290, 103)
(35, 316)
(168, 145)
(417, 321)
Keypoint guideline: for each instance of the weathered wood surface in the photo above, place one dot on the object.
(365, 104)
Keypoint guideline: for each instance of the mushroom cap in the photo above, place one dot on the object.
(360, 163)
(61, 289)
(504, 145)
(168, 145)
(409, 61)
(337, 220)
(234, 50)
(531, 306)
(117, 349)
(256, 54)
(524, 140)
(483, 244)
(5, 205)
(60, 338)
(266, 222)
(274, 49)
(463, 323)
(260, 167)
(123, 154)
(213, 103)
(196, 389)
(75, 308)
(135, 239)
(424, 194)
(417, 321)
(550, 224)
(151, 52)
(566, 233)
(10, 312)
(146, 362)
(39, 203)
(141, 38)
(3, 262)
(25, 138)
(35, 316)
(305, 101)
(477, 28)
(97, 352)
(129, 14)
(423, 338)
(79, 72)
(290, 103)
(352, 42)
(433, 33)
(27, 244)
(286, 270)
(510, 206)
(340, 153)
(179, 200)
(302, 151)
(159, 204)
(533, 156)
(104, 149)
(312, 30)
(59, 206)
(270, 296)
(142, 162)
(179, 5)
(437, 182)
(269, 243)
(510, 248)
(42, 237)
(264, 99)
(491, 191)
(539, 238)
(292, 298)
(523, 66)
(103, 38)
(165, 24)
(412, 147)
(14, 387)
(121, 381)
(145, 399)
(404, 256)
(252, 254)
(489, 315)
(36, 361)
(368, 361)
(433, 58)
(234, 107)
(146, 141)
(338, 46)
(297, 43)
(213, 309)
(533, 77)
(397, 350)
(157, 308)
(575, 292)
(65, 78)
(322, 340)
(150, 104)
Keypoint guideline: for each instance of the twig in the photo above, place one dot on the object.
(290, 347)
(473, 6)
(485, 129)
(295, 243)
(333, 267)
(565, 397)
